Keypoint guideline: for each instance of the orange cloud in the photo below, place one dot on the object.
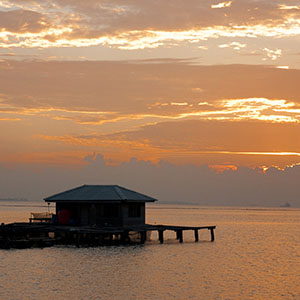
(198, 142)
(221, 168)
(263, 109)
(222, 4)
(134, 40)
(10, 119)
(235, 45)
(288, 7)
(21, 21)
(62, 159)
(243, 115)
(140, 24)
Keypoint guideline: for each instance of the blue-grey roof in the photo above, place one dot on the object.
(96, 193)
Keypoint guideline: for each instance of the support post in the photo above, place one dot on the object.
(180, 233)
(161, 236)
(196, 235)
(212, 235)
(177, 235)
(125, 237)
(143, 236)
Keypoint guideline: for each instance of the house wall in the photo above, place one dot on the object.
(130, 215)
(105, 214)
(74, 210)
(108, 214)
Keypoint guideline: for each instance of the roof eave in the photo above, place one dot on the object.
(96, 201)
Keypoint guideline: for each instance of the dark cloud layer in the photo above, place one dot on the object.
(167, 182)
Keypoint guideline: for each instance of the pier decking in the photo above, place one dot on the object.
(26, 235)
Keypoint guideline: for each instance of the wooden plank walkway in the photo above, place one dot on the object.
(15, 235)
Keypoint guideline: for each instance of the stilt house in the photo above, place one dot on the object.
(102, 205)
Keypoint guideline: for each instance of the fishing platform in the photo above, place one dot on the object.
(92, 215)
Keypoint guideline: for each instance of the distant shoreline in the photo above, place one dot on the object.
(20, 205)
(13, 199)
(17, 202)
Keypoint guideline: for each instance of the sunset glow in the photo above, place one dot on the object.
(176, 85)
(57, 25)
(222, 4)
(133, 40)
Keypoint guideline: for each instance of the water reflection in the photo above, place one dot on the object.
(256, 255)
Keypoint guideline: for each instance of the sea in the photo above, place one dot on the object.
(255, 255)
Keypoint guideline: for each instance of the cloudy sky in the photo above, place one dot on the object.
(171, 86)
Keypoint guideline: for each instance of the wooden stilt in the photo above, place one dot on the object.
(212, 235)
(161, 236)
(180, 233)
(77, 238)
(124, 237)
(143, 236)
(196, 235)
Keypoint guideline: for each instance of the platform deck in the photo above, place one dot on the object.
(24, 235)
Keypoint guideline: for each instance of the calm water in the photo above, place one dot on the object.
(256, 255)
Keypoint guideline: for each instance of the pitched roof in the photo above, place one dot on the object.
(111, 193)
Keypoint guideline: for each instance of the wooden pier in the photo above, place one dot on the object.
(26, 235)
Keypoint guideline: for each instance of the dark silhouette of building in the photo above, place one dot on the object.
(102, 205)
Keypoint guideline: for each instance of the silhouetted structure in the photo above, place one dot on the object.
(104, 205)
(91, 215)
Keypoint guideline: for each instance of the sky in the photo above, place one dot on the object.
(204, 92)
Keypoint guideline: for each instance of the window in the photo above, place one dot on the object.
(134, 210)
